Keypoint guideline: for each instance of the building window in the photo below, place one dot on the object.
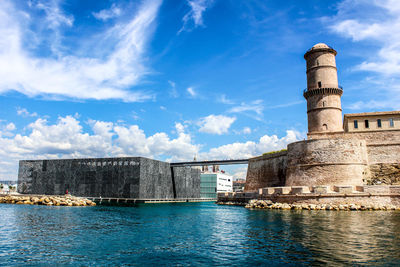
(379, 122)
(324, 103)
(319, 84)
(366, 124)
(355, 124)
(325, 127)
(391, 122)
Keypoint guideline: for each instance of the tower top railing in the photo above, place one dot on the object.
(323, 91)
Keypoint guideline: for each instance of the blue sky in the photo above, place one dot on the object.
(171, 80)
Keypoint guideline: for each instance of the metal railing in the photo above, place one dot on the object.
(338, 87)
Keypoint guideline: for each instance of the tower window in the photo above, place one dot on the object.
(379, 122)
(366, 124)
(324, 103)
(355, 124)
(391, 122)
(319, 84)
(325, 127)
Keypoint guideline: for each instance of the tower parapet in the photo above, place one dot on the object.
(323, 93)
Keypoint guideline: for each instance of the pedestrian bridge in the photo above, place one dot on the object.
(210, 162)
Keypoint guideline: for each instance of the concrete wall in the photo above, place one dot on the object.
(185, 185)
(266, 171)
(327, 162)
(135, 177)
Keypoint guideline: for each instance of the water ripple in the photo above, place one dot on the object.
(199, 234)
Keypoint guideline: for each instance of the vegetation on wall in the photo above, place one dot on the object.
(274, 152)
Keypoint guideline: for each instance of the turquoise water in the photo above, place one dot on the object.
(194, 234)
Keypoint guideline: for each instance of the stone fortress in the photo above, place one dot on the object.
(337, 157)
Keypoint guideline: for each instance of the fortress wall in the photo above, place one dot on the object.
(383, 148)
(266, 171)
(327, 162)
(372, 137)
(107, 177)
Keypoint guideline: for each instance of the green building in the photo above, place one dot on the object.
(208, 185)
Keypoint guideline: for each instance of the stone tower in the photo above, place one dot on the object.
(324, 109)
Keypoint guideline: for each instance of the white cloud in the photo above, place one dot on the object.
(7, 130)
(67, 139)
(173, 92)
(191, 92)
(106, 14)
(222, 99)
(240, 173)
(70, 76)
(246, 130)
(163, 108)
(377, 24)
(255, 106)
(25, 113)
(194, 17)
(55, 17)
(251, 149)
(216, 124)
(10, 127)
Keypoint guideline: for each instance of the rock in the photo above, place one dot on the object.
(353, 207)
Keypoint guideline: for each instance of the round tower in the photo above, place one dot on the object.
(324, 109)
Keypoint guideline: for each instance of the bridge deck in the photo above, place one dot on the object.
(210, 162)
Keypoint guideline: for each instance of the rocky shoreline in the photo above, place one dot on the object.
(66, 200)
(267, 204)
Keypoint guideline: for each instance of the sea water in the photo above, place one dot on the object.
(197, 234)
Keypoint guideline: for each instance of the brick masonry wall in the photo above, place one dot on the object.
(266, 171)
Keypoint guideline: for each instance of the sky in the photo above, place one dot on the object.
(173, 80)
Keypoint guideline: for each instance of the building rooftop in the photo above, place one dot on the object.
(379, 113)
(320, 45)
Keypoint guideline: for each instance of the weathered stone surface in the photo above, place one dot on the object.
(384, 173)
(283, 190)
(129, 177)
(326, 162)
(321, 189)
(300, 190)
(343, 189)
(266, 171)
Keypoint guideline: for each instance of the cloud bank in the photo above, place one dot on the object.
(67, 138)
(65, 75)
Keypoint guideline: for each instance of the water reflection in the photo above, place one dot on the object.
(330, 237)
(195, 234)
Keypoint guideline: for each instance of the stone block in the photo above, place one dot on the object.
(377, 189)
(267, 191)
(344, 189)
(284, 190)
(395, 189)
(360, 188)
(300, 190)
(250, 194)
(321, 189)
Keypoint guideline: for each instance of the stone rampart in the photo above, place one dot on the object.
(327, 161)
(131, 177)
(267, 170)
